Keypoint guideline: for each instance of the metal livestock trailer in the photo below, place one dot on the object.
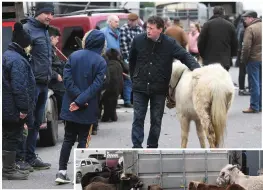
(174, 170)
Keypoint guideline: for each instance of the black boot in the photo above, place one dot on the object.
(10, 171)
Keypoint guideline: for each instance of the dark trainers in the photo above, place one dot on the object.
(243, 93)
(128, 105)
(38, 164)
(60, 178)
(22, 165)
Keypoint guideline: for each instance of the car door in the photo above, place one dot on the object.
(90, 167)
(83, 166)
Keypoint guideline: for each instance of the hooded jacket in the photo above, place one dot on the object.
(18, 84)
(252, 42)
(41, 50)
(83, 78)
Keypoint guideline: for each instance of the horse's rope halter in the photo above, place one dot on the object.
(170, 100)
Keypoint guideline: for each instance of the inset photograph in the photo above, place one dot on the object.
(169, 170)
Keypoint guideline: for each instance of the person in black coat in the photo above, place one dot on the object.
(217, 42)
(150, 65)
(18, 84)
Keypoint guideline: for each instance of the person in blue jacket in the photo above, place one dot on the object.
(18, 83)
(83, 77)
(41, 63)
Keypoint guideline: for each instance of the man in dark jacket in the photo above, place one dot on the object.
(56, 83)
(37, 28)
(217, 42)
(18, 99)
(83, 78)
(242, 66)
(151, 59)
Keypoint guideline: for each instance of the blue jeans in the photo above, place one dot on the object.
(254, 71)
(72, 130)
(34, 121)
(140, 105)
(127, 89)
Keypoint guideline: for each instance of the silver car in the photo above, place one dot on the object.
(87, 165)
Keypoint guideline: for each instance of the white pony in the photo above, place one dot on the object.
(230, 174)
(204, 96)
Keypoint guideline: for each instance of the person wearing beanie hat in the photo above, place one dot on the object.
(18, 85)
(44, 7)
(20, 36)
(251, 56)
(41, 65)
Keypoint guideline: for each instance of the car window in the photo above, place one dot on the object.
(83, 162)
(88, 162)
(98, 156)
(103, 23)
(69, 43)
(95, 162)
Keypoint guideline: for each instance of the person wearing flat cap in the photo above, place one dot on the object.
(41, 63)
(18, 84)
(251, 56)
(127, 33)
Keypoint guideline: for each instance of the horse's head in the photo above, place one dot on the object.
(227, 175)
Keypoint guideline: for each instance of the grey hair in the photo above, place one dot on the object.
(166, 19)
(111, 17)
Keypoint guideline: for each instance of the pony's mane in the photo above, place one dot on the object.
(178, 69)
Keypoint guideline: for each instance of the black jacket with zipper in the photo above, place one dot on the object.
(151, 63)
(41, 50)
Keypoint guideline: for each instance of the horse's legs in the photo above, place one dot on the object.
(202, 107)
(200, 133)
(185, 124)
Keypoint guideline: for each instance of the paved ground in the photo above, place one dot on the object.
(243, 131)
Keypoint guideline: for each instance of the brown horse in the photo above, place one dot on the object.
(99, 186)
(154, 187)
(235, 187)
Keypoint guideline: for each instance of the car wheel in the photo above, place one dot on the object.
(78, 177)
(49, 136)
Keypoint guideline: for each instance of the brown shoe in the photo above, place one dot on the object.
(250, 110)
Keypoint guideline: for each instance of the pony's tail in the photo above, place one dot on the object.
(221, 101)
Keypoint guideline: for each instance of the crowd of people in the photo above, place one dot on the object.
(134, 59)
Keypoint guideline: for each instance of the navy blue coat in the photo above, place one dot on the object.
(83, 78)
(18, 84)
(41, 50)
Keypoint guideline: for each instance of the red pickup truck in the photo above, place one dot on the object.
(78, 23)
(73, 25)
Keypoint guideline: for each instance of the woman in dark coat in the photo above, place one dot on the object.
(18, 84)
